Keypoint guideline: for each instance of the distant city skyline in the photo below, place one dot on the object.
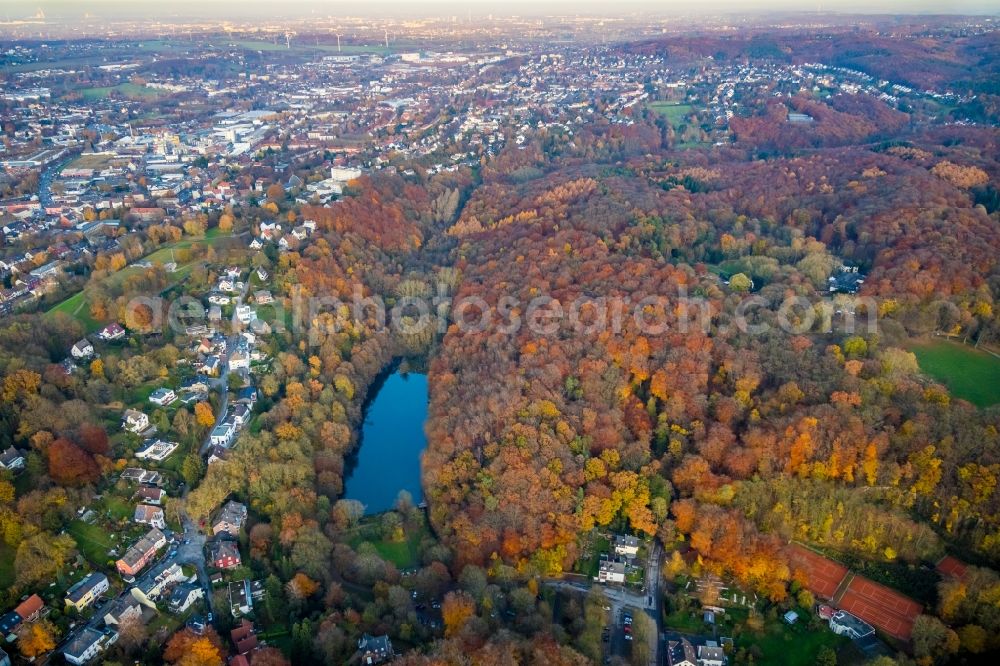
(236, 9)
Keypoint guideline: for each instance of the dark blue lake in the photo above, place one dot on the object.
(392, 438)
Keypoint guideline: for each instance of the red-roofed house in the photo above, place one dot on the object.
(30, 608)
(244, 637)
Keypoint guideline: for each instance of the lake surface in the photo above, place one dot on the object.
(392, 438)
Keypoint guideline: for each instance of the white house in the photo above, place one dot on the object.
(184, 595)
(626, 545)
(87, 644)
(112, 332)
(611, 572)
(162, 397)
(245, 314)
(344, 174)
(711, 654)
(122, 609)
(156, 449)
(82, 349)
(155, 582)
(222, 434)
(149, 515)
(135, 421)
(241, 414)
(239, 361)
(12, 459)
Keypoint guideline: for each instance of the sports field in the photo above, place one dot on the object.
(970, 374)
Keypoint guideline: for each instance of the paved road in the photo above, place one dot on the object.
(192, 551)
(222, 383)
(620, 598)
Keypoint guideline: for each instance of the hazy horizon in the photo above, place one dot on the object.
(241, 9)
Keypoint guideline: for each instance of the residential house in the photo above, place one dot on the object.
(9, 622)
(247, 396)
(240, 360)
(87, 644)
(196, 384)
(243, 594)
(217, 453)
(31, 608)
(223, 553)
(154, 582)
(140, 475)
(223, 434)
(152, 496)
(843, 623)
(87, 590)
(244, 637)
(156, 449)
(82, 349)
(681, 653)
(211, 365)
(230, 518)
(626, 545)
(184, 595)
(12, 459)
(139, 555)
(241, 414)
(135, 421)
(611, 572)
(263, 297)
(149, 515)
(162, 397)
(111, 332)
(124, 608)
(711, 654)
(847, 281)
(245, 314)
(262, 274)
(374, 649)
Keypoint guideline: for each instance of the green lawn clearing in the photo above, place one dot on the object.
(92, 541)
(784, 645)
(969, 374)
(78, 307)
(130, 90)
(672, 111)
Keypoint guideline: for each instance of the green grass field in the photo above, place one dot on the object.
(130, 90)
(91, 540)
(78, 307)
(790, 645)
(404, 554)
(672, 111)
(968, 373)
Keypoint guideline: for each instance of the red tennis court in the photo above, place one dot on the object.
(951, 566)
(822, 573)
(881, 607)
